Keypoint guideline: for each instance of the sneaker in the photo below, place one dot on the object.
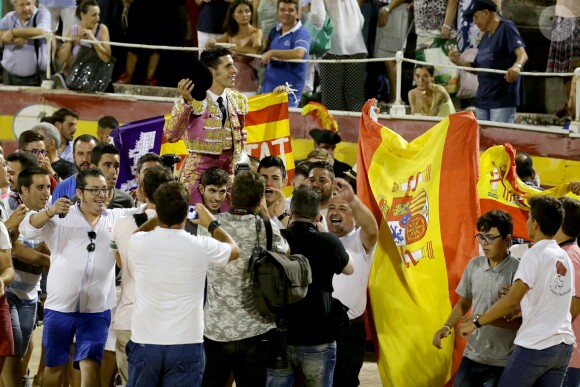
(59, 82)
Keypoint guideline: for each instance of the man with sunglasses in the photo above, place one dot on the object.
(489, 348)
(81, 281)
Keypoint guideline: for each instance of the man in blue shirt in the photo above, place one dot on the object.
(288, 40)
(502, 48)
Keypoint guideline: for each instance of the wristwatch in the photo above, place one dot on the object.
(519, 65)
(212, 226)
(283, 215)
(475, 321)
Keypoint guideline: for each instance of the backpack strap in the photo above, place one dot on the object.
(268, 234)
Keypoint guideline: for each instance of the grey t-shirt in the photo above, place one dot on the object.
(488, 345)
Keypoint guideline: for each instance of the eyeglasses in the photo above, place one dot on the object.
(91, 245)
(488, 240)
(37, 152)
(96, 191)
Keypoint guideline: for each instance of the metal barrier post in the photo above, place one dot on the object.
(48, 82)
(575, 124)
(398, 108)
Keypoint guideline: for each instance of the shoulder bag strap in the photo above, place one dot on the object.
(36, 45)
(268, 234)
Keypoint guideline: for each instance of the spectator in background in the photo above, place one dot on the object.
(213, 188)
(429, 99)
(248, 40)
(327, 140)
(273, 171)
(288, 40)
(501, 48)
(142, 16)
(564, 54)
(65, 121)
(434, 19)
(15, 163)
(83, 146)
(266, 14)
(62, 167)
(468, 34)
(342, 84)
(211, 20)
(105, 126)
(24, 60)
(32, 143)
(61, 10)
(392, 26)
(567, 238)
(525, 170)
(89, 28)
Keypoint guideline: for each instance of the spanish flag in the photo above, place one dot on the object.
(424, 196)
(501, 189)
(267, 125)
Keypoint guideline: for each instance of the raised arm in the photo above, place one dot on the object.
(175, 127)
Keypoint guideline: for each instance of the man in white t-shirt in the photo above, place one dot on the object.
(345, 211)
(166, 345)
(544, 287)
(149, 180)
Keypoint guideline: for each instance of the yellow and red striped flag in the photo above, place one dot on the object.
(501, 189)
(424, 197)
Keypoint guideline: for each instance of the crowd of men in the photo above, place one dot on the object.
(74, 227)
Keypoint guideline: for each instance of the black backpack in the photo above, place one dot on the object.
(277, 279)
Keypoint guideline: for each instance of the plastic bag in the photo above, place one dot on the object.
(438, 55)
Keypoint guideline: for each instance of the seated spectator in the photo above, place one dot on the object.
(105, 126)
(89, 28)
(247, 40)
(501, 48)
(24, 60)
(288, 40)
(342, 84)
(429, 99)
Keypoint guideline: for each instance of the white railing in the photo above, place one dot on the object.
(398, 108)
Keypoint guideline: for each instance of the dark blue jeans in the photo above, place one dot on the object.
(572, 378)
(246, 358)
(165, 365)
(474, 374)
(316, 362)
(532, 367)
(350, 355)
(23, 316)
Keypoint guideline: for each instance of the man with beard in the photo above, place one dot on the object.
(210, 117)
(345, 212)
(81, 280)
(273, 171)
(321, 180)
(65, 121)
(83, 146)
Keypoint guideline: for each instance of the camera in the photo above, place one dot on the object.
(192, 213)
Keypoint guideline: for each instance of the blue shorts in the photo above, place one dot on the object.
(89, 329)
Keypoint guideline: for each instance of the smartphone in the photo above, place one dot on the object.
(192, 213)
(63, 215)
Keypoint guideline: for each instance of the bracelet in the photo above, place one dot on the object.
(283, 215)
(448, 327)
(386, 8)
(447, 26)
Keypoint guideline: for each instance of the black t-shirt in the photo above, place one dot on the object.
(64, 168)
(308, 320)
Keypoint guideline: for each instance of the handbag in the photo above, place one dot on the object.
(468, 81)
(88, 72)
(320, 39)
